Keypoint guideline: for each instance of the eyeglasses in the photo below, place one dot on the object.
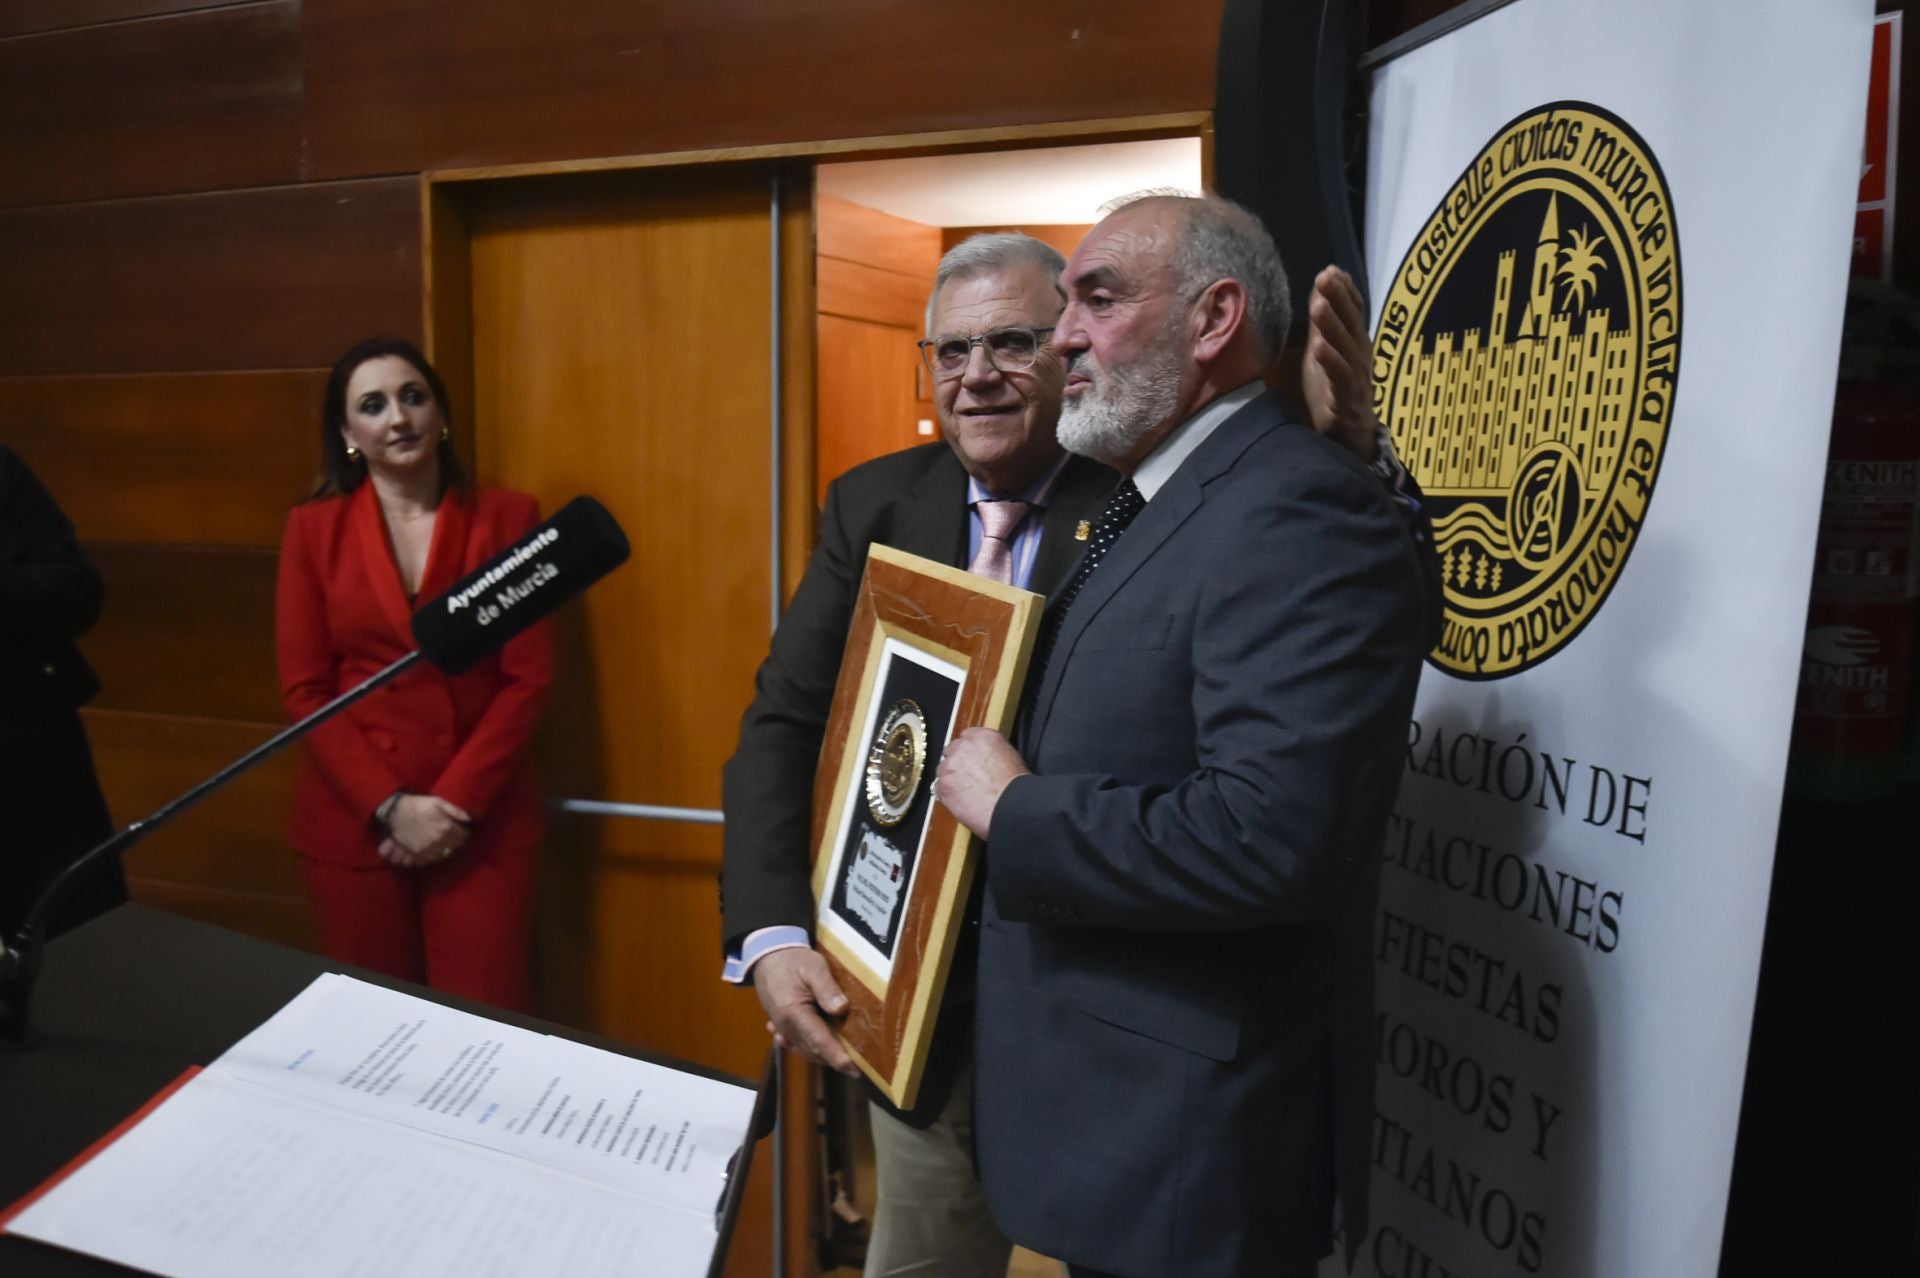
(1008, 349)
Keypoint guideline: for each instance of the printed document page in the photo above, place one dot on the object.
(362, 1131)
(629, 1125)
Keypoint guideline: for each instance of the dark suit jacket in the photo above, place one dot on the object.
(342, 615)
(1174, 1031)
(914, 500)
(49, 596)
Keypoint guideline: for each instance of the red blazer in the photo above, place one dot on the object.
(342, 616)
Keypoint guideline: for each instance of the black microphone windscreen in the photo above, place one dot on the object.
(528, 580)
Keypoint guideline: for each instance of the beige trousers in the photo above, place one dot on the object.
(931, 1220)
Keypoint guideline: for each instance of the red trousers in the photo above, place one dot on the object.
(463, 926)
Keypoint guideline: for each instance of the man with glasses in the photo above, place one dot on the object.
(1001, 498)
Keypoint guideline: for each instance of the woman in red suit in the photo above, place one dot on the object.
(416, 815)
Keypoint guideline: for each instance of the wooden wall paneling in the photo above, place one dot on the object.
(566, 916)
(646, 941)
(179, 102)
(186, 631)
(209, 458)
(581, 932)
(800, 1106)
(1064, 236)
(750, 1255)
(662, 873)
(683, 74)
(234, 840)
(856, 233)
(857, 291)
(281, 277)
(867, 406)
(23, 17)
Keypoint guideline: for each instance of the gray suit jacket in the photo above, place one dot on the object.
(1174, 1029)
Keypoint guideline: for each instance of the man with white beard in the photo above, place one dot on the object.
(1174, 994)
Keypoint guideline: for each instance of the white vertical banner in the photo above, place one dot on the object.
(1609, 246)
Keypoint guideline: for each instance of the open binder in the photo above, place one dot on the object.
(364, 1130)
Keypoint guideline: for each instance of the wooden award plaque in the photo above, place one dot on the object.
(932, 651)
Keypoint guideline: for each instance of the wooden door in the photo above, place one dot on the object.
(621, 345)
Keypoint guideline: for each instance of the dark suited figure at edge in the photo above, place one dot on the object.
(416, 815)
(49, 596)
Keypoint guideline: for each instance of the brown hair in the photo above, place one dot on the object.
(339, 473)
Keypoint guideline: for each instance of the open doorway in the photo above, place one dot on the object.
(881, 227)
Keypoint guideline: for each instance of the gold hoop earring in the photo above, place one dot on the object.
(446, 433)
(353, 454)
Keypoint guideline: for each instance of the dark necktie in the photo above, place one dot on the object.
(1120, 511)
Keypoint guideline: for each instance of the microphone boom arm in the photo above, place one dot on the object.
(20, 957)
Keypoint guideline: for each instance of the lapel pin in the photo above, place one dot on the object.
(1082, 530)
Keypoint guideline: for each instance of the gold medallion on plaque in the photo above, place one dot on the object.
(1527, 360)
(895, 761)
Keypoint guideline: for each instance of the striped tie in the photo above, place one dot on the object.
(998, 519)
